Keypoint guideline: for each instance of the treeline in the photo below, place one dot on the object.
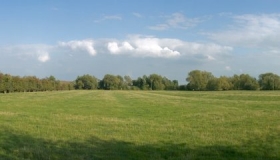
(9, 83)
(196, 81)
(117, 82)
(205, 81)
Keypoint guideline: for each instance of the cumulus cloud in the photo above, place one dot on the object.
(115, 48)
(150, 46)
(82, 45)
(145, 46)
(251, 31)
(176, 20)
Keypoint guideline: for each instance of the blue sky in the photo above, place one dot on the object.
(126, 37)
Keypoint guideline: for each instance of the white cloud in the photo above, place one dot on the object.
(145, 46)
(127, 46)
(252, 31)
(43, 56)
(80, 45)
(115, 48)
(176, 20)
(204, 48)
(149, 46)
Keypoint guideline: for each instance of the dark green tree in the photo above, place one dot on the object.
(248, 83)
(87, 82)
(269, 81)
(156, 82)
(111, 82)
(198, 80)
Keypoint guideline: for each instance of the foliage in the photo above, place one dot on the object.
(202, 80)
(112, 82)
(87, 82)
(9, 83)
(197, 80)
(269, 81)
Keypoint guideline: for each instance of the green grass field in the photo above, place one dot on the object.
(140, 125)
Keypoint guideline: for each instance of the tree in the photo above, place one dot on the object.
(6, 83)
(141, 82)
(213, 84)
(145, 82)
(248, 83)
(111, 82)
(170, 85)
(269, 81)
(198, 80)
(175, 84)
(86, 82)
(18, 84)
(235, 81)
(224, 83)
(120, 82)
(128, 82)
(31, 83)
(156, 82)
(2, 86)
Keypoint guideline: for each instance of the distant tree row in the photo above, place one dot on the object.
(196, 80)
(9, 83)
(203, 80)
(117, 82)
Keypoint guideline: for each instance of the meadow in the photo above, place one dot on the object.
(140, 125)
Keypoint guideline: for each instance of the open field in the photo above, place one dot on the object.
(140, 125)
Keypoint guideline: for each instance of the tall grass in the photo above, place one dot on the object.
(140, 125)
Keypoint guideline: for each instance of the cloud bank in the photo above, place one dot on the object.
(251, 31)
(134, 46)
(143, 46)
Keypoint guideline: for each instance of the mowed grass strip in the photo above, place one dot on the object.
(140, 125)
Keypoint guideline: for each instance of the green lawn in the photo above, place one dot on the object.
(140, 125)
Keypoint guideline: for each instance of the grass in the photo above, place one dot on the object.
(140, 125)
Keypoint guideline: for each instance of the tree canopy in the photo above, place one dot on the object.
(9, 83)
(197, 80)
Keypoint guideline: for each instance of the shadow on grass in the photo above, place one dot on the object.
(19, 146)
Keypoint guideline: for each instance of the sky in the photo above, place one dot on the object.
(70, 38)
